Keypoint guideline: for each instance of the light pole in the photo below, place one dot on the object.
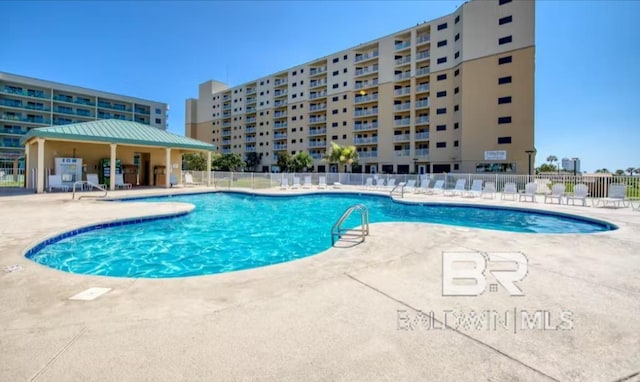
(575, 161)
(530, 152)
(415, 165)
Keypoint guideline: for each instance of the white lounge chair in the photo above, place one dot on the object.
(475, 190)
(92, 180)
(55, 183)
(120, 182)
(379, 184)
(557, 193)
(616, 196)
(368, 184)
(438, 187)
(509, 190)
(424, 185)
(580, 192)
(391, 183)
(188, 180)
(296, 183)
(322, 182)
(307, 182)
(284, 183)
(458, 189)
(489, 189)
(410, 186)
(529, 192)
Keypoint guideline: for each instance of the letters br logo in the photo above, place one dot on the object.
(464, 273)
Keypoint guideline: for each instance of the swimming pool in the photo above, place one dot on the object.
(234, 231)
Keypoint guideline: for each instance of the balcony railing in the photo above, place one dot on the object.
(250, 91)
(315, 84)
(251, 120)
(317, 119)
(422, 88)
(226, 141)
(402, 122)
(251, 109)
(366, 84)
(280, 114)
(367, 70)
(365, 126)
(280, 81)
(282, 146)
(316, 95)
(423, 71)
(402, 91)
(403, 60)
(365, 112)
(365, 141)
(402, 153)
(280, 136)
(315, 107)
(226, 107)
(279, 125)
(226, 133)
(250, 149)
(280, 103)
(226, 124)
(280, 92)
(402, 45)
(18, 104)
(369, 98)
(422, 120)
(422, 104)
(402, 76)
(20, 118)
(422, 152)
(251, 100)
(316, 71)
(422, 55)
(27, 93)
(423, 38)
(402, 106)
(402, 137)
(366, 56)
(317, 143)
(423, 136)
(250, 130)
(317, 131)
(317, 156)
(367, 154)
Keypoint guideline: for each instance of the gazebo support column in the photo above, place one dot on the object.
(208, 168)
(167, 180)
(40, 172)
(112, 165)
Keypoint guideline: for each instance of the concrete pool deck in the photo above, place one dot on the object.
(372, 311)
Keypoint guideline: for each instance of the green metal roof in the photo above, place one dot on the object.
(117, 131)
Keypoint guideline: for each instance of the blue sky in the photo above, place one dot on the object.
(587, 55)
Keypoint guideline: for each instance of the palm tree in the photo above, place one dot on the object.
(619, 172)
(602, 171)
(631, 170)
(551, 159)
(301, 162)
(343, 155)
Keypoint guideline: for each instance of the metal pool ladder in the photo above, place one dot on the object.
(337, 231)
(82, 183)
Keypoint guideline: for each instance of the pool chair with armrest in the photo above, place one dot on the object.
(488, 190)
(557, 193)
(438, 188)
(296, 183)
(580, 192)
(529, 192)
(458, 189)
(55, 183)
(368, 183)
(410, 186)
(188, 180)
(307, 182)
(120, 182)
(475, 190)
(92, 181)
(284, 183)
(616, 196)
(322, 182)
(509, 190)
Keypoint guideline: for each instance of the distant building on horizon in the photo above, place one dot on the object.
(27, 103)
(454, 94)
(569, 163)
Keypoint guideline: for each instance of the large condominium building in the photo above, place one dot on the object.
(455, 94)
(27, 102)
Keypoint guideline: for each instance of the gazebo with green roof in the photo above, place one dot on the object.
(124, 141)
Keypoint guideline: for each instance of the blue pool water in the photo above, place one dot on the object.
(231, 231)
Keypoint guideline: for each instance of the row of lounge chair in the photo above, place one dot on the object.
(322, 183)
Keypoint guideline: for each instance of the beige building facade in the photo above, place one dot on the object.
(455, 94)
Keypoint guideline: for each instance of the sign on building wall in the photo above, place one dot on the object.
(495, 155)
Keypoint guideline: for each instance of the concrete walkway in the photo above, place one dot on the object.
(369, 312)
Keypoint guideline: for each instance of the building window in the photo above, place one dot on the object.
(158, 120)
(336, 60)
(456, 55)
(335, 99)
(504, 60)
(442, 43)
(344, 109)
(456, 166)
(294, 73)
(442, 60)
(345, 57)
(344, 70)
(503, 100)
(503, 120)
(456, 90)
(334, 124)
(504, 140)
(504, 40)
(456, 107)
(441, 77)
(344, 96)
(457, 37)
(456, 73)
(442, 110)
(442, 93)
(335, 86)
(158, 111)
(335, 72)
(456, 125)
(334, 111)
(441, 127)
(505, 20)
(457, 19)
(503, 2)
(442, 26)
(441, 144)
(504, 80)
(344, 84)
(456, 144)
